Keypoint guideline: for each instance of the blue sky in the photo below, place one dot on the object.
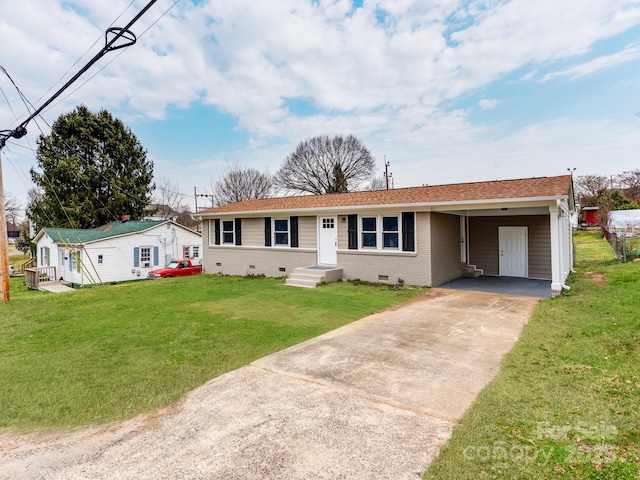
(445, 90)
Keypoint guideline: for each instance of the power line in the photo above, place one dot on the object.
(116, 34)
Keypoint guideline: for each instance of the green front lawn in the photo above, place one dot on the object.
(111, 352)
(566, 403)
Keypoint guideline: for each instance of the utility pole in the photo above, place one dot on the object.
(387, 175)
(111, 37)
(4, 247)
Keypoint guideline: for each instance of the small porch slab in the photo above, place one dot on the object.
(310, 277)
(56, 287)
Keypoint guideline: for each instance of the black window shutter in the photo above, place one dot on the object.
(352, 229)
(408, 232)
(267, 231)
(293, 227)
(217, 231)
(238, 222)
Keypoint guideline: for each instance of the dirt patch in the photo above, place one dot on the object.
(595, 277)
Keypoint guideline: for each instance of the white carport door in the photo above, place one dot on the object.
(513, 251)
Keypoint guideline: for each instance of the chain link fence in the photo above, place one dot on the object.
(626, 245)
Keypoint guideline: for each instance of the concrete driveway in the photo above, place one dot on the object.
(375, 399)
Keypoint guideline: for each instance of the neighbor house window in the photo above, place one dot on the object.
(185, 252)
(281, 230)
(196, 252)
(145, 256)
(227, 231)
(100, 259)
(389, 232)
(369, 232)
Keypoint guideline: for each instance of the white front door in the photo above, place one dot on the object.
(327, 241)
(513, 251)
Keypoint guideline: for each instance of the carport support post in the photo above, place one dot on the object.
(556, 251)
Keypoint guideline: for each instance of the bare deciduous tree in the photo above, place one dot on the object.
(12, 208)
(169, 200)
(590, 189)
(239, 183)
(322, 165)
(629, 182)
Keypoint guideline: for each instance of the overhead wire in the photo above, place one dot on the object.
(39, 112)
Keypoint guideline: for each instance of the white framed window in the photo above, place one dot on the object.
(227, 232)
(328, 223)
(145, 256)
(185, 252)
(281, 232)
(196, 252)
(380, 232)
(369, 232)
(390, 232)
(100, 259)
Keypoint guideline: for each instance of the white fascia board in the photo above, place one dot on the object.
(421, 206)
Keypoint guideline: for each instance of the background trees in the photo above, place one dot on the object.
(92, 170)
(240, 183)
(322, 165)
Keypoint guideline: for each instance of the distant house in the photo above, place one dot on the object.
(13, 232)
(423, 235)
(115, 252)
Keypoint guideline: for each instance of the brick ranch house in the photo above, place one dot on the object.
(422, 235)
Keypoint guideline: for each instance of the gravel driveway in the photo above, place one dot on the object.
(375, 399)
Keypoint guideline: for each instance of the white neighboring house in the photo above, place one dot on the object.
(115, 252)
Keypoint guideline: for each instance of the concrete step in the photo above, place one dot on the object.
(470, 270)
(293, 281)
(310, 277)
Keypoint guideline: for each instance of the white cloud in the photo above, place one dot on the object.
(604, 62)
(487, 103)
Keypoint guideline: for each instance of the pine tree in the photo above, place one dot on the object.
(92, 170)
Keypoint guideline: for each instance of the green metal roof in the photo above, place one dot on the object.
(113, 229)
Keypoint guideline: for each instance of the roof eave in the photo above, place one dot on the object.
(417, 205)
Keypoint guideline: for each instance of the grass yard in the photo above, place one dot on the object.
(111, 352)
(566, 403)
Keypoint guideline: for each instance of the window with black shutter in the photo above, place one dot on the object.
(217, 231)
(267, 231)
(293, 230)
(408, 232)
(352, 229)
(238, 225)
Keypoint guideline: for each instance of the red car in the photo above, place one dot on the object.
(176, 268)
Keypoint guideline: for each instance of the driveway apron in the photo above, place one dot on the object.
(375, 399)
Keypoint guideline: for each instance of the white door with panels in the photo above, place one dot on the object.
(327, 241)
(513, 251)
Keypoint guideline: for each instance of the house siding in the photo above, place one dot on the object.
(256, 261)
(252, 232)
(387, 267)
(483, 243)
(307, 232)
(445, 248)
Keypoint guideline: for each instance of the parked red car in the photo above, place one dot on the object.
(176, 268)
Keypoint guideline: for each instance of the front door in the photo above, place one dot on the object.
(327, 241)
(513, 251)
